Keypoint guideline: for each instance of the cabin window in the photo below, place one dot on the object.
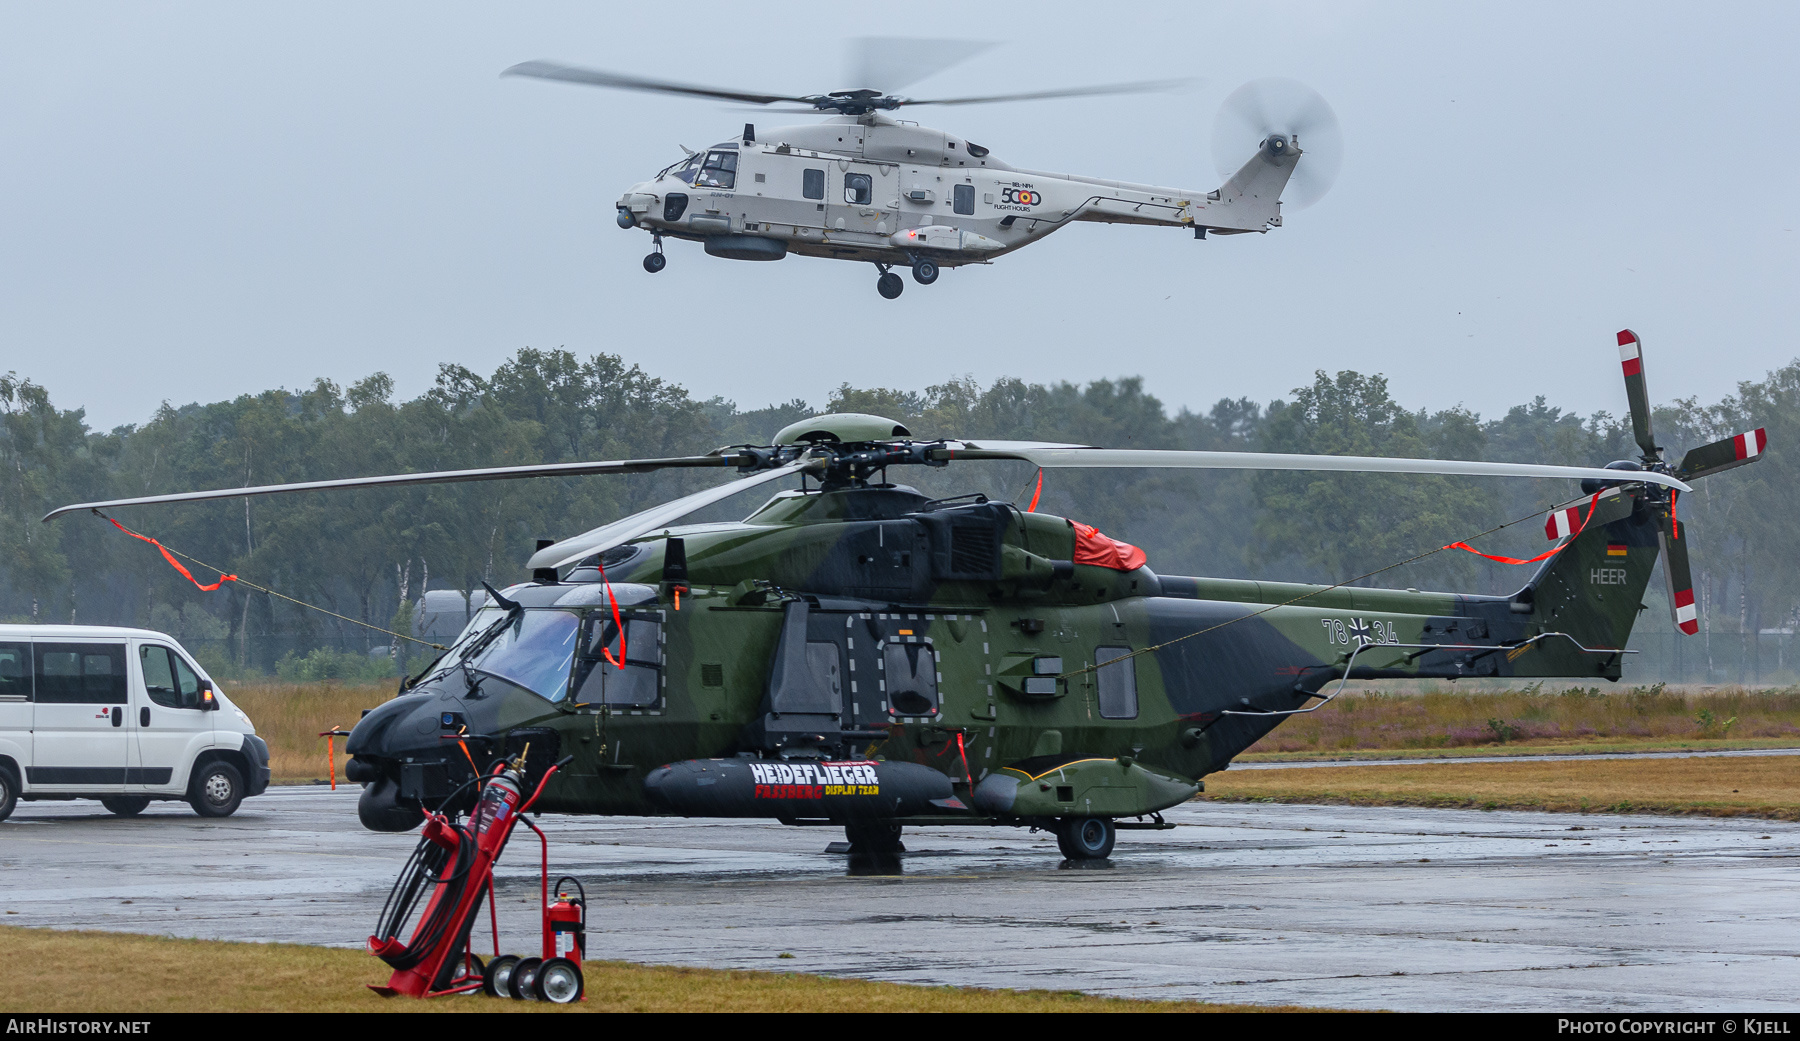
(812, 184)
(909, 671)
(167, 679)
(859, 188)
(720, 171)
(963, 198)
(1118, 683)
(638, 683)
(81, 673)
(15, 671)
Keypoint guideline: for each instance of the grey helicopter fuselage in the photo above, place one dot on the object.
(875, 189)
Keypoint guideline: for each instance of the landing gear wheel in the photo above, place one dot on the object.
(125, 805)
(925, 272)
(9, 793)
(874, 838)
(1085, 838)
(559, 982)
(216, 790)
(524, 979)
(655, 262)
(889, 285)
(496, 979)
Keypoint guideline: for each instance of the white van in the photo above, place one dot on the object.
(119, 715)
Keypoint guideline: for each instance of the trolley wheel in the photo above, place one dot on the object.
(559, 982)
(496, 979)
(523, 985)
(125, 805)
(216, 790)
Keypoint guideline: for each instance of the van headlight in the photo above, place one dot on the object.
(246, 719)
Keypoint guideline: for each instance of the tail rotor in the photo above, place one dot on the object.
(1698, 462)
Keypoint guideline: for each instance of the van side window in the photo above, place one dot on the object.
(859, 188)
(963, 198)
(1118, 683)
(167, 679)
(812, 184)
(80, 673)
(15, 671)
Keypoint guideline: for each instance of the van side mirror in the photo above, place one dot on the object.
(208, 701)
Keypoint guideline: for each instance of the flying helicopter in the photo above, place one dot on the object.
(866, 186)
(853, 654)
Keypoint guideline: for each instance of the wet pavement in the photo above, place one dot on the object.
(1388, 907)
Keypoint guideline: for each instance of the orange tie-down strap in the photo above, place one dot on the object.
(170, 557)
(1593, 504)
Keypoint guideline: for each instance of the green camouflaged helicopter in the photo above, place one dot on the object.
(854, 654)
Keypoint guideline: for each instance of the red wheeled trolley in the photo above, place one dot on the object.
(455, 861)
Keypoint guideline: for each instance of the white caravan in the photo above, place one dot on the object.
(119, 715)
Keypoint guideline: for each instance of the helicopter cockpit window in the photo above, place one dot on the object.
(859, 188)
(812, 184)
(639, 683)
(963, 198)
(720, 171)
(686, 169)
(533, 651)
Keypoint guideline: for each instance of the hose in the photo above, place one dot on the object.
(424, 869)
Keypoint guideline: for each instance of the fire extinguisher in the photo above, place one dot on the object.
(567, 919)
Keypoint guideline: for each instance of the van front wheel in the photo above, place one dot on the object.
(9, 793)
(217, 790)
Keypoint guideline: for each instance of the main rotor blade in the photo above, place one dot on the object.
(1677, 574)
(605, 537)
(1631, 360)
(1723, 455)
(496, 473)
(550, 70)
(888, 63)
(1116, 457)
(1140, 87)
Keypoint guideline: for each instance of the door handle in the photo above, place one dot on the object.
(118, 716)
(144, 716)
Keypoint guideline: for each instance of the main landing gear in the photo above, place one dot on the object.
(889, 285)
(1085, 838)
(655, 262)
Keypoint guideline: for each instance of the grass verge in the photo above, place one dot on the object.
(1723, 787)
(57, 971)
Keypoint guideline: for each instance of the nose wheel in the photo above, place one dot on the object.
(655, 262)
(925, 271)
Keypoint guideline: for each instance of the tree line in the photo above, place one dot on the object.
(369, 556)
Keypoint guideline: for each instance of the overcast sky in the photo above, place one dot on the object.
(204, 199)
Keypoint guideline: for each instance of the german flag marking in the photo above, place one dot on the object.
(1614, 549)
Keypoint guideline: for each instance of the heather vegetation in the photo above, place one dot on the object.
(369, 556)
(1541, 717)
